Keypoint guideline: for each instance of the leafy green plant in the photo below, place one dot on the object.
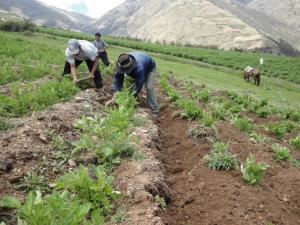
(263, 111)
(257, 138)
(58, 208)
(243, 124)
(191, 109)
(95, 189)
(253, 171)
(31, 98)
(32, 181)
(280, 128)
(221, 158)
(218, 111)
(296, 142)
(208, 120)
(293, 115)
(160, 202)
(281, 152)
(203, 95)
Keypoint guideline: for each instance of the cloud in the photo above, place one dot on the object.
(93, 8)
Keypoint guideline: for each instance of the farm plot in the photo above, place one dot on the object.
(62, 161)
(224, 162)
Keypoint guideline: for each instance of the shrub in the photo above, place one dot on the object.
(243, 124)
(221, 158)
(17, 25)
(263, 111)
(253, 171)
(281, 152)
(296, 143)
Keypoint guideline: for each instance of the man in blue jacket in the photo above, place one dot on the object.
(142, 68)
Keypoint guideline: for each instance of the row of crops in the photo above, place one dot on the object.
(275, 66)
(85, 195)
(230, 107)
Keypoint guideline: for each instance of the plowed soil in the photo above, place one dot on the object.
(207, 197)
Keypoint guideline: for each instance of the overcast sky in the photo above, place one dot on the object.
(93, 8)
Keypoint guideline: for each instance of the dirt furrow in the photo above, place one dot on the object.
(206, 197)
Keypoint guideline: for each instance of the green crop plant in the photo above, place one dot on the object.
(263, 111)
(295, 142)
(191, 110)
(253, 171)
(23, 60)
(31, 98)
(160, 202)
(33, 181)
(243, 124)
(257, 138)
(91, 187)
(57, 208)
(208, 120)
(281, 153)
(221, 158)
(281, 128)
(293, 115)
(108, 136)
(203, 95)
(218, 111)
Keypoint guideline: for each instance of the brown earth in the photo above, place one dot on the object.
(207, 197)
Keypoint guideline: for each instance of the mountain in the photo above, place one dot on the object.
(43, 14)
(287, 11)
(226, 24)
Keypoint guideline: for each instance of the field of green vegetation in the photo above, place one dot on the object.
(86, 195)
(275, 66)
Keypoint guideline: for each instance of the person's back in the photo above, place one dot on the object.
(144, 62)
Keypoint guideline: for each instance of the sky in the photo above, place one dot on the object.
(92, 8)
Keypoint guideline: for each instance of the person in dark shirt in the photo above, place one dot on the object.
(101, 45)
(142, 68)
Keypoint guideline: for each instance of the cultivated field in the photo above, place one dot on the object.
(222, 152)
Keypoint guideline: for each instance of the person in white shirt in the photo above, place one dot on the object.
(79, 51)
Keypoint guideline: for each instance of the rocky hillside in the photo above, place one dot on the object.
(43, 14)
(227, 24)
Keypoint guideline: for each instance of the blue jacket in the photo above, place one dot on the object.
(145, 64)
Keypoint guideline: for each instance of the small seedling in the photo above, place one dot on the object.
(257, 138)
(281, 152)
(296, 143)
(253, 171)
(32, 181)
(160, 202)
(119, 216)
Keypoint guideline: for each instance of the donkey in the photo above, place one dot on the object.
(252, 72)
